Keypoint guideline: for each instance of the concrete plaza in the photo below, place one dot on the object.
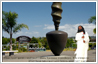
(46, 56)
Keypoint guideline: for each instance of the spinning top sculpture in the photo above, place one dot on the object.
(56, 39)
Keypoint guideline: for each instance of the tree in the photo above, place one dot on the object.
(34, 40)
(4, 41)
(45, 43)
(69, 42)
(93, 20)
(10, 25)
(94, 30)
(13, 40)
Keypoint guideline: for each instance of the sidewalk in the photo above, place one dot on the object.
(46, 56)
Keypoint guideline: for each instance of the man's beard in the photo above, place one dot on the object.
(80, 30)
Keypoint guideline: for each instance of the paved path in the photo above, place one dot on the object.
(46, 56)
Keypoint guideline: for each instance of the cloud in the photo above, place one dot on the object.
(38, 26)
(29, 33)
(71, 29)
(35, 32)
(32, 32)
(49, 26)
(18, 33)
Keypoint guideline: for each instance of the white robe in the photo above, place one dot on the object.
(82, 48)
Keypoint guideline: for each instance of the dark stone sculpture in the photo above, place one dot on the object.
(56, 39)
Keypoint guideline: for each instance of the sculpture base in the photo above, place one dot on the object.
(56, 54)
(61, 58)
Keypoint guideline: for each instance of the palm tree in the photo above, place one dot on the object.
(10, 25)
(93, 20)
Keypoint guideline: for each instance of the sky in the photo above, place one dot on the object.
(37, 15)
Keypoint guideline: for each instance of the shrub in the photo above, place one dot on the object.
(92, 44)
(24, 49)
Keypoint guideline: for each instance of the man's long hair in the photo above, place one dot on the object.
(81, 30)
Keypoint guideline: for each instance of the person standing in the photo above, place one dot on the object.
(82, 39)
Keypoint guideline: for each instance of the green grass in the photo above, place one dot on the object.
(69, 49)
(66, 49)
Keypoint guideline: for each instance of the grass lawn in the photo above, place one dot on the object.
(66, 49)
